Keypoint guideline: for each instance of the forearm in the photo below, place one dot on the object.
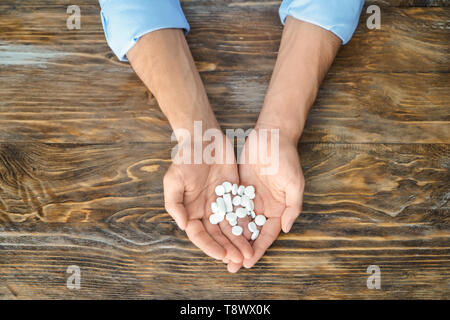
(164, 63)
(306, 53)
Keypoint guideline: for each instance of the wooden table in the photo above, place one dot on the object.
(84, 147)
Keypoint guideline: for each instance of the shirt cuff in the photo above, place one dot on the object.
(338, 16)
(124, 22)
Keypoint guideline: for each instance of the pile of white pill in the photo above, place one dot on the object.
(236, 202)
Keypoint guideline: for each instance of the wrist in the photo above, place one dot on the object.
(289, 135)
(290, 121)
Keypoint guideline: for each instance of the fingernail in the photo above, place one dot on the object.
(289, 226)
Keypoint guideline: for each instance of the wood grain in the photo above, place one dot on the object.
(100, 207)
(84, 147)
(376, 81)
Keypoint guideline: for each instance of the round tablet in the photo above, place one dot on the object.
(260, 220)
(234, 189)
(241, 190)
(241, 212)
(250, 205)
(244, 200)
(249, 190)
(228, 203)
(220, 190)
(236, 200)
(214, 207)
(233, 222)
(227, 186)
(221, 205)
(231, 216)
(252, 226)
(255, 235)
(237, 230)
(214, 219)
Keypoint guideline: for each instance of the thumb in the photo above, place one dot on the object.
(294, 201)
(174, 196)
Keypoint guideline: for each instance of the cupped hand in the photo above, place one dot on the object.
(279, 191)
(189, 190)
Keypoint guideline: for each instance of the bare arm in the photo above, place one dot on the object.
(306, 53)
(164, 63)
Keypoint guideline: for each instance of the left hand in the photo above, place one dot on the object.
(279, 195)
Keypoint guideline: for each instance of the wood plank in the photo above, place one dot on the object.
(89, 183)
(241, 34)
(95, 99)
(301, 265)
(99, 207)
(246, 3)
(351, 107)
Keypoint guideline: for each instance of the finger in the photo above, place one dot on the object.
(294, 200)
(267, 236)
(173, 197)
(239, 241)
(225, 260)
(233, 267)
(199, 237)
(259, 204)
(232, 253)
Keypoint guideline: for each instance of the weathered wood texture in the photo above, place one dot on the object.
(83, 148)
(389, 85)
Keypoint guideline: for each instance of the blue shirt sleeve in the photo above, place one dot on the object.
(124, 22)
(338, 16)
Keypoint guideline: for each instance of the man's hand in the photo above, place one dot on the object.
(279, 195)
(305, 55)
(164, 63)
(189, 192)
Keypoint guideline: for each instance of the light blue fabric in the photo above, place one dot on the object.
(338, 16)
(125, 21)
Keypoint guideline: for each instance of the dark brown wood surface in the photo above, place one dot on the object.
(84, 147)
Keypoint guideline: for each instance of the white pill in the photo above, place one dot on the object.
(214, 207)
(252, 227)
(251, 196)
(237, 200)
(241, 190)
(241, 212)
(222, 209)
(255, 235)
(249, 190)
(233, 222)
(220, 190)
(244, 200)
(214, 219)
(221, 213)
(227, 186)
(231, 216)
(237, 230)
(260, 220)
(250, 205)
(220, 217)
(228, 203)
(253, 214)
(234, 189)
